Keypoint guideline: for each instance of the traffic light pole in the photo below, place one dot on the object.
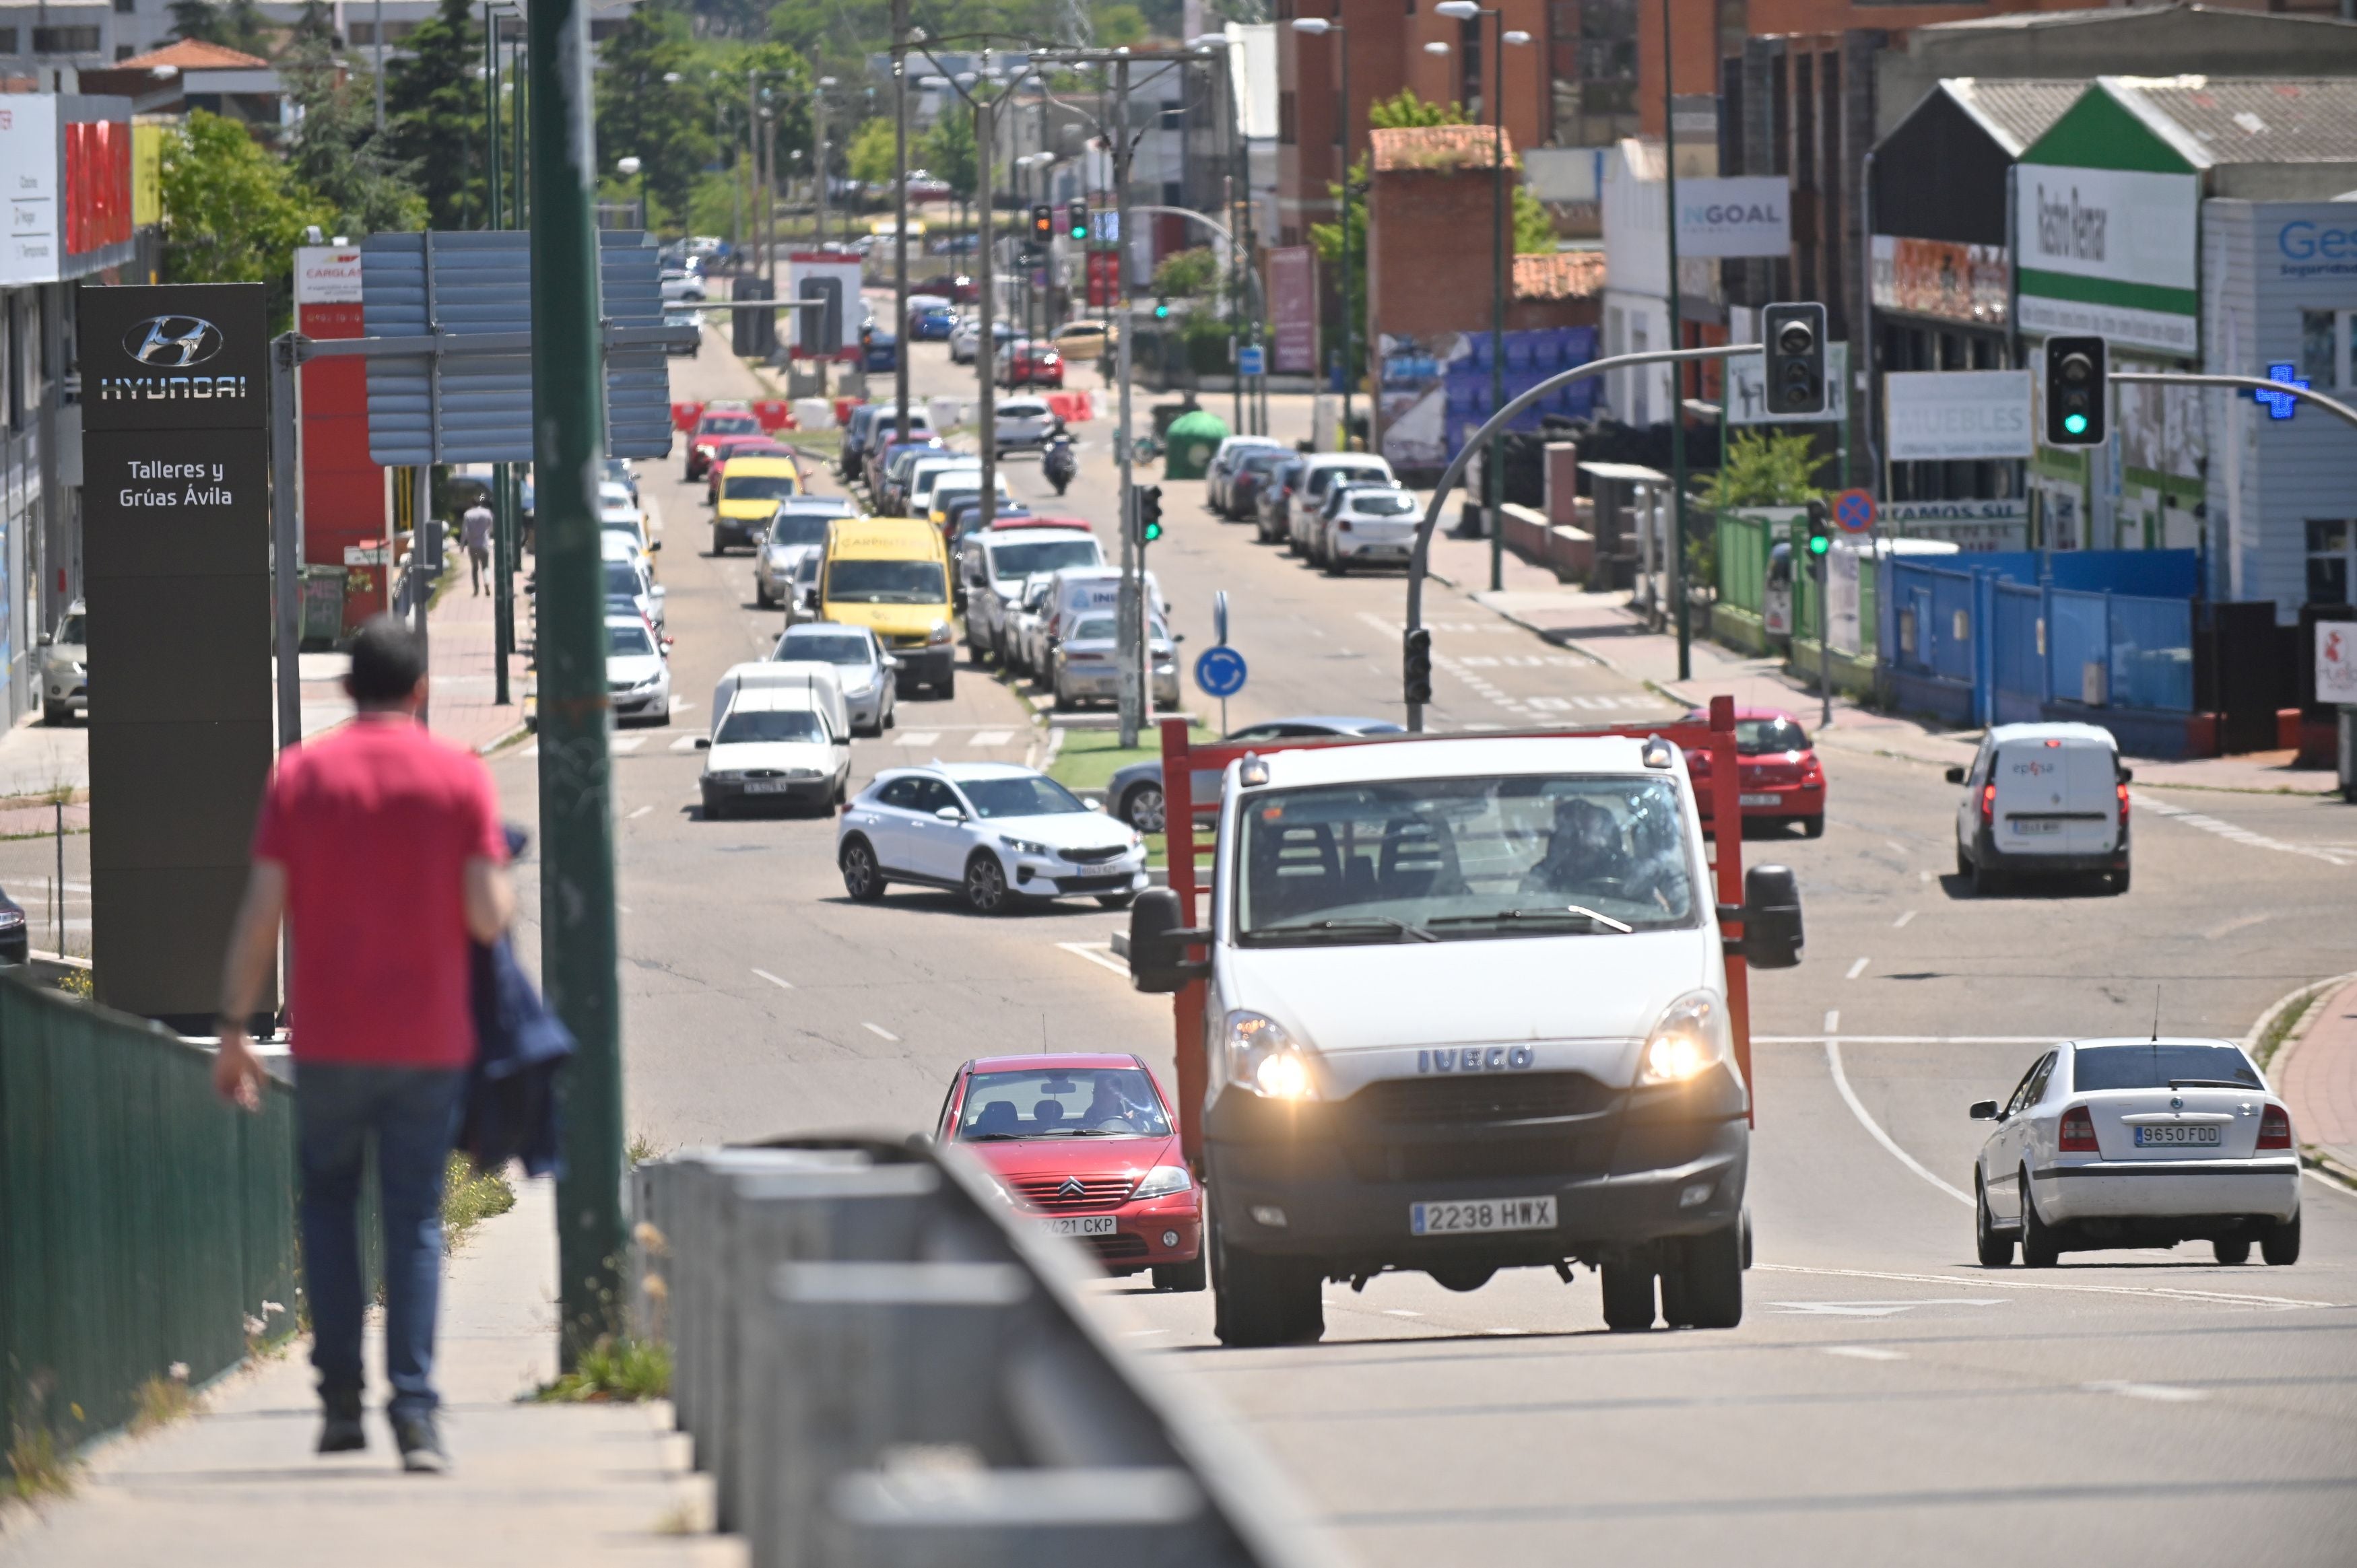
(1128, 623)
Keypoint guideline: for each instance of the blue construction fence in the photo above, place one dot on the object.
(2103, 637)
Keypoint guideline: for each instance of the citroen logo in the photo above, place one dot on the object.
(1073, 1188)
(173, 342)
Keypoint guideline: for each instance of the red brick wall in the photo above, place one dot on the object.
(1428, 262)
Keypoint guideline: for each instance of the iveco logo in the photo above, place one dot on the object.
(1477, 1058)
(173, 342)
(1072, 1189)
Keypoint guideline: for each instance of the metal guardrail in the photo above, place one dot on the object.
(141, 1221)
(879, 1362)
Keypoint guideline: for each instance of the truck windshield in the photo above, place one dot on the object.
(886, 581)
(1450, 859)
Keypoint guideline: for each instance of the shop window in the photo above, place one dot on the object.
(2324, 348)
(65, 40)
(7, 41)
(2331, 560)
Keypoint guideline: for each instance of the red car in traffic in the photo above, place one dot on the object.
(1085, 1147)
(1031, 364)
(702, 443)
(1780, 778)
(727, 446)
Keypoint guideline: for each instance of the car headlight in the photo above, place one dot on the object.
(1263, 1058)
(939, 635)
(1163, 1180)
(1690, 1038)
(1023, 846)
(12, 919)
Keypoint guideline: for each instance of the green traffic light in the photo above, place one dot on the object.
(1153, 531)
(1819, 545)
(2076, 424)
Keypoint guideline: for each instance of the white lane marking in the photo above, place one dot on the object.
(532, 750)
(1896, 845)
(781, 985)
(1913, 1039)
(918, 737)
(2165, 1393)
(1900, 924)
(1098, 953)
(879, 1031)
(1924, 877)
(641, 811)
(681, 705)
(1833, 1020)
(626, 743)
(1881, 1308)
(686, 743)
(1858, 1109)
(1506, 1331)
(1400, 1312)
(991, 737)
(2240, 922)
(1857, 968)
(2238, 834)
(622, 909)
(1991, 1279)
(1864, 1352)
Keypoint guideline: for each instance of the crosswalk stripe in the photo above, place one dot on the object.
(992, 736)
(684, 743)
(918, 737)
(626, 743)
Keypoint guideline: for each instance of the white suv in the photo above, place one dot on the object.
(998, 834)
(1317, 474)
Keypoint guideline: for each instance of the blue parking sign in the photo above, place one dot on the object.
(1220, 671)
(1249, 360)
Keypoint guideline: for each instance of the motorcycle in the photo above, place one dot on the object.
(1058, 463)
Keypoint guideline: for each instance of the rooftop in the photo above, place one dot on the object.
(2015, 113)
(1561, 275)
(1438, 149)
(189, 54)
(2243, 120)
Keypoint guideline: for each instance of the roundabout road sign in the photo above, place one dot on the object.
(1220, 671)
(1853, 510)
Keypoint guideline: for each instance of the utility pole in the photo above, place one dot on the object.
(1677, 574)
(578, 938)
(1129, 622)
(820, 104)
(985, 351)
(901, 223)
(503, 625)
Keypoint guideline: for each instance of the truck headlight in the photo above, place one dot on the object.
(1163, 1180)
(1266, 1060)
(1691, 1037)
(940, 636)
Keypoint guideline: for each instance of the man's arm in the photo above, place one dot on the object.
(254, 939)
(491, 898)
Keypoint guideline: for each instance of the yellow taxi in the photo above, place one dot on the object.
(750, 490)
(891, 574)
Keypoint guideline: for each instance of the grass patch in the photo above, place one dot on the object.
(2281, 1028)
(1089, 758)
(39, 1465)
(163, 1400)
(641, 1149)
(468, 1200)
(613, 1372)
(79, 982)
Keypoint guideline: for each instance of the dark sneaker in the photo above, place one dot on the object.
(421, 1446)
(340, 1432)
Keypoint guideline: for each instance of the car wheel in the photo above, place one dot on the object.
(2040, 1248)
(55, 713)
(1703, 1285)
(1117, 900)
(842, 793)
(862, 877)
(1142, 807)
(2119, 881)
(2281, 1245)
(1984, 881)
(986, 884)
(715, 807)
(1179, 1278)
(1260, 1300)
(1963, 862)
(1628, 1296)
(1814, 826)
(720, 544)
(762, 595)
(1995, 1250)
(948, 687)
(2233, 1250)
(1336, 566)
(1063, 704)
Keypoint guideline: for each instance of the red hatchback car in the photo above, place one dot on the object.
(1780, 779)
(702, 446)
(1086, 1144)
(1031, 364)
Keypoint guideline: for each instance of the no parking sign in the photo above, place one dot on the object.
(1853, 511)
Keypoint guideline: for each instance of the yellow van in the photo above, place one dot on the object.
(750, 490)
(892, 575)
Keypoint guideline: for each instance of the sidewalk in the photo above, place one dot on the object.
(460, 645)
(1601, 627)
(239, 1485)
(2316, 1073)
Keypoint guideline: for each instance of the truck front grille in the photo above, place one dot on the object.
(1481, 1099)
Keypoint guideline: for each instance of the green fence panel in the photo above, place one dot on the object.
(141, 1221)
(1742, 561)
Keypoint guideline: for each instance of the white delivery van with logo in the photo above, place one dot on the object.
(1092, 590)
(2043, 798)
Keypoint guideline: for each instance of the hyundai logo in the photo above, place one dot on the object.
(173, 342)
(1073, 1188)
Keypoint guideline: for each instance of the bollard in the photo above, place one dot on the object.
(906, 1518)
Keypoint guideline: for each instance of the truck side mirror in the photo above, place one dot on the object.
(1772, 917)
(1985, 1110)
(1158, 944)
(1955, 776)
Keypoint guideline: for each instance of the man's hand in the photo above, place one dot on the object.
(237, 1072)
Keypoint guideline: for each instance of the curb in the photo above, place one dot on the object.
(2323, 1166)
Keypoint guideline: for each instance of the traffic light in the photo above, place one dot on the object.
(1820, 531)
(1795, 339)
(1416, 665)
(1043, 223)
(1149, 513)
(2075, 374)
(1161, 309)
(1076, 226)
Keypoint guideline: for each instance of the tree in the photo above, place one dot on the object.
(1186, 274)
(232, 213)
(666, 124)
(333, 148)
(1769, 467)
(868, 158)
(434, 113)
(236, 24)
(950, 153)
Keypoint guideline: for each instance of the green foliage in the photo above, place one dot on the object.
(613, 1372)
(1534, 229)
(232, 213)
(1188, 275)
(666, 125)
(434, 113)
(1117, 26)
(716, 204)
(868, 157)
(235, 24)
(1404, 111)
(951, 155)
(468, 1198)
(335, 150)
(1768, 468)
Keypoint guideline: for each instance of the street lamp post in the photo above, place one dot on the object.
(1677, 340)
(629, 169)
(819, 103)
(1318, 27)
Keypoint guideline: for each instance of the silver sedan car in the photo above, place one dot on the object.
(860, 663)
(798, 529)
(1086, 666)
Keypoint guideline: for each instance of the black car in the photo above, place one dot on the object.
(16, 935)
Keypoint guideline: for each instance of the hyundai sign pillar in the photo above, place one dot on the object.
(176, 521)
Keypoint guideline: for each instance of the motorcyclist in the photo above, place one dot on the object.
(1059, 462)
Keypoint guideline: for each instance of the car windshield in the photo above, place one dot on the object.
(1263, 459)
(799, 528)
(756, 488)
(1027, 796)
(793, 723)
(622, 578)
(71, 631)
(1382, 503)
(1326, 478)
(886, 581)
(1434, 859)
(1096, 629)
(1075, 1102)
(827, 647)
(2159, 1064)
(629, 640)
(1036, 556)
(730, 424)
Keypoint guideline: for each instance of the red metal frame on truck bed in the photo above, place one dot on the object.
(1182, 760)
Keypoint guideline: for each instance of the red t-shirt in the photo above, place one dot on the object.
(374, 824)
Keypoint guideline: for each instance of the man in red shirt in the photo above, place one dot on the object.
(381, 849)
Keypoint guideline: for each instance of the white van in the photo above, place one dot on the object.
(775, 744)
(2041, 798)
(819, 679)
(1465, 1008)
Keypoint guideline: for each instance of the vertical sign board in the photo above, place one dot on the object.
(175, 520)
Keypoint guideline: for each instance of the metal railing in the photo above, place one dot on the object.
(143, 1223)
(879, 1361)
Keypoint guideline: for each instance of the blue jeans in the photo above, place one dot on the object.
(413, 1114)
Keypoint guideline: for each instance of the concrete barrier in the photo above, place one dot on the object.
(880, 1362)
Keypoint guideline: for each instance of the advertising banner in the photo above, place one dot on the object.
(2111, 252)
(1933, 415)
(176, 513)
(1972, 526)
(2336, 662)
(30, 253)
(1941, 278)
(1293, 309)
(1750, 215)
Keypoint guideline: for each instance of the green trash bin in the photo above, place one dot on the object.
(323, 605)
(1187, 452)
